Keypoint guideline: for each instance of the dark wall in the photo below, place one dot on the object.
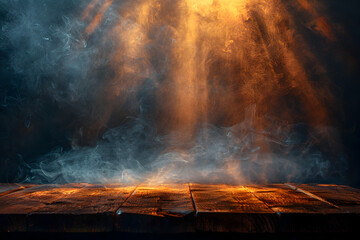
(343, 64)
(33, 124)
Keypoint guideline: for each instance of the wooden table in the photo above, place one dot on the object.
(179, 208)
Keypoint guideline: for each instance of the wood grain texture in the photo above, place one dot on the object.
(299, 212)
(164, 208)
(346, 198)
(15, 207)
(180, 208)
(282, 199)
(89, 209)
(223, 208)
(32, 199)
(6, 188)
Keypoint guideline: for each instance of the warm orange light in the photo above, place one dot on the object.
(98, 17)
(223, 58)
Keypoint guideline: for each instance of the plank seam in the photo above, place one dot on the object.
(251, 192)
(310, 194)
(12, 191)
(118, 211)
(193, 200)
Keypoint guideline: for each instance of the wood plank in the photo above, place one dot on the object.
(164, 208)
(223, 208)
(282, 199)
(6, 188)
(299, 212)
(181, 208)
(15, 207)
(32, 199)
(344, 197)
(91, 209)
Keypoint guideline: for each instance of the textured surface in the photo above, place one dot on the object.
(176, 208)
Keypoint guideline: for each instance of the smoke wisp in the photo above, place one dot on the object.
(169, 91)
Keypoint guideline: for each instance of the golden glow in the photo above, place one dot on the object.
(221, 57)
(245, 35)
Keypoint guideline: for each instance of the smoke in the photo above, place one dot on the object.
(166, 91)
(134, 153)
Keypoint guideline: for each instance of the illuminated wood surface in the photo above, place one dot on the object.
(179, 208)
(222, 208)
(6, 188)
(165, 209)
(345, 197)
(89, 208)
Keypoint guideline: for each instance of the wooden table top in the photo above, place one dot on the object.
(179, 208)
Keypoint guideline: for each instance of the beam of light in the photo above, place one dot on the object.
(220, 90)
(98, 17)
(90, 7)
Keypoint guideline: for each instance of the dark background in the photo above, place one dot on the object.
(32, 123)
